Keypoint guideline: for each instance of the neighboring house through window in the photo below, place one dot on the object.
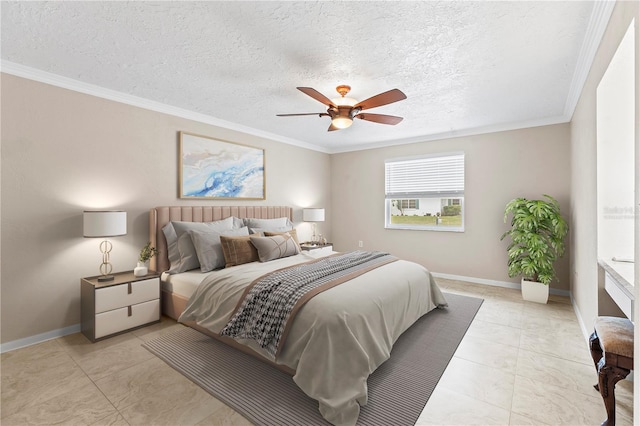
(408, 204)
(425, 193)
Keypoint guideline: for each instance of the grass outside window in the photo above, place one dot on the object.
(426, 220)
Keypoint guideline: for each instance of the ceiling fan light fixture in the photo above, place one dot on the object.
(341, 122)
(342, 101)
(343, 110)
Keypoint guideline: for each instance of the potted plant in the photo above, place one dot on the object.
(146, 253)
(537, 240)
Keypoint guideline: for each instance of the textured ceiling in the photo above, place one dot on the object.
(465, 66)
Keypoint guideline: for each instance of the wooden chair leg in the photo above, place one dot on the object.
(608, 376)
(596, 353)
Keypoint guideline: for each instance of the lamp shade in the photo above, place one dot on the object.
(104, 223)
(313, 215)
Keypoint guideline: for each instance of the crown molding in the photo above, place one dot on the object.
(598, 22)
(113, 95)
(30, 73)
(472, 131)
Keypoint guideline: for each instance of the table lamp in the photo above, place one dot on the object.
(313, 215)
(105, 224)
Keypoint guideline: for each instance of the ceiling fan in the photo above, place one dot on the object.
(343, 110)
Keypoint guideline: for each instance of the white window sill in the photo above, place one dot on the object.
(427, 228)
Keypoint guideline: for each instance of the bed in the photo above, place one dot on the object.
(338, 337)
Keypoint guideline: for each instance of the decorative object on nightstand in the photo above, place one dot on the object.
(119, 305)
(313, 215)
(146, 253)
(317, 247)
(105, 224)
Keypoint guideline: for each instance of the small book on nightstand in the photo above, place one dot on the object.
(314, 246)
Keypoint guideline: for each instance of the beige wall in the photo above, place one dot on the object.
(498, 167)
(63, 152)
(590, 299)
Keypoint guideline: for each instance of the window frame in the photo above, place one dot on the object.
(451, 193)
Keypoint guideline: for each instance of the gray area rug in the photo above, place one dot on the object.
(398, 389)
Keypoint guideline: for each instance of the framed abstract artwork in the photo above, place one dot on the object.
(215, 169)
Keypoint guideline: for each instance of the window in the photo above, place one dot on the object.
(425, 193)
(408, 204)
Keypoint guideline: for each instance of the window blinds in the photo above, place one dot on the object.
(427, 177)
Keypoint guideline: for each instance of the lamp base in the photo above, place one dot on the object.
(104, 278)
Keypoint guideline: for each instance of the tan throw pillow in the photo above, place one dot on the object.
(270, 248)
(292, 232)
(238, 250)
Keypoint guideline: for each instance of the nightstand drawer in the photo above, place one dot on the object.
(119, 296)
(125, 318)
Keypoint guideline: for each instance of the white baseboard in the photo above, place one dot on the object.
(585, 331)
(39, 338)
(495, 283)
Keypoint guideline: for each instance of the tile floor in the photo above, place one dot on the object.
(519, 364)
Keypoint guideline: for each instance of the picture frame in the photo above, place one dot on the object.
(210, 168)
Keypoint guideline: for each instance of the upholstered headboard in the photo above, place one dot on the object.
(160, 216)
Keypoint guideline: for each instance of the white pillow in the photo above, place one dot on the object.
(209, 249)
(273, 229)
(237, 222)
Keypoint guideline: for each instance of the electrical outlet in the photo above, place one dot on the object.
(359, 243)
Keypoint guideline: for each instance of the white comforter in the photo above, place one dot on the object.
(340, 336)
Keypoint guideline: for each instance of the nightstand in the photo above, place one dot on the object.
(322, 248)
(112, 307)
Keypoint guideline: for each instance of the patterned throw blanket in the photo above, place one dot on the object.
(270, 302)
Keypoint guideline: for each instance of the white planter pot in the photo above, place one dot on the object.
(534, 291)
(141, 270)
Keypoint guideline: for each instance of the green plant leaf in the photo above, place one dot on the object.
(537, 237)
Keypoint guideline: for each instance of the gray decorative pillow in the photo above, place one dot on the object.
(172, 245)
(270, 248)
(293, 233)
(281, 222)
(218, 225)
(209, 249)
(187, 257)
(181, 252)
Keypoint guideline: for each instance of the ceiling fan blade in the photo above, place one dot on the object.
(332, 128)
(320, 114)
(393, 95)
(316, 95)
(380, 118)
